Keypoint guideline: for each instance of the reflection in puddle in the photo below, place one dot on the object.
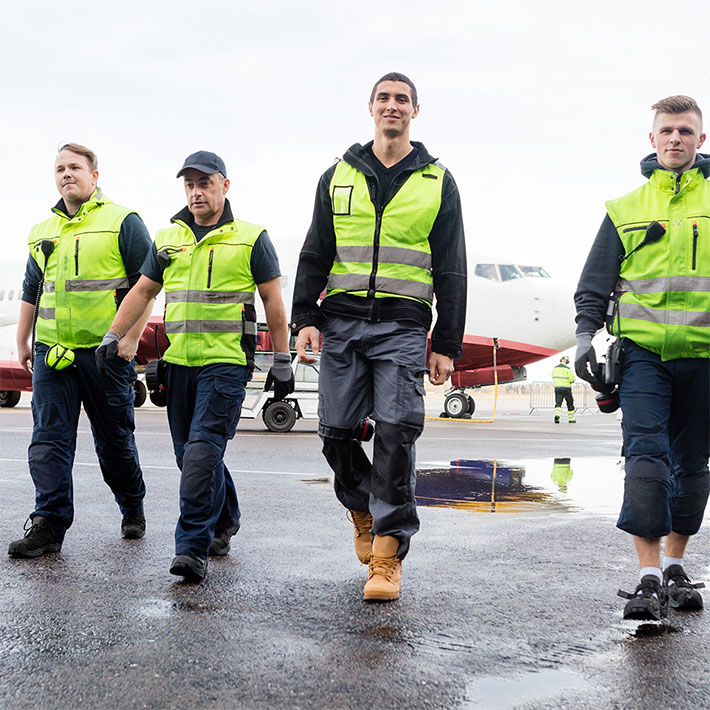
(537, 485)
(512, 692)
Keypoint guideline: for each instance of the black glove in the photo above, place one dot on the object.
(280, 376)
(106, 351)
(585, 362)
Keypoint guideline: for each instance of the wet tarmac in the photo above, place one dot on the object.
(508, 596)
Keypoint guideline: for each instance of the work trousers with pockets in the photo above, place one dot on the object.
(666, 428)
(204, 404)
(374, 369)
(564, 394)
(108, 402)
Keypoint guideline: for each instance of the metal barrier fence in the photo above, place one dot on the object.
(542, 396)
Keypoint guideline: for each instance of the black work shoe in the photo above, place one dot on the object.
(220, 542)
(648, 603)
(189, 567)
(682, 593)
(133, 526)
(557, 420)
(38, 540)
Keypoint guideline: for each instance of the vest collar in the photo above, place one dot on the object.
(650, 163)
(97, 199)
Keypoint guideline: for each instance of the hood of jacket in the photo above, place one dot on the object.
(650, 163)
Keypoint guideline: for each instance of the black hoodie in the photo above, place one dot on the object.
(601, 270)
(448, 258)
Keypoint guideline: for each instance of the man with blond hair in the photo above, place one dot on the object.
(83, 260)
(648, 278)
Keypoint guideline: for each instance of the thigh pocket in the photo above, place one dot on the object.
(409, 405)
(224, 408)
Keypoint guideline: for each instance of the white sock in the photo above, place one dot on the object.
(655, 571)
(668, 561)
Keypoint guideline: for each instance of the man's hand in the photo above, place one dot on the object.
(280, 376)
(440, 368)
(585, 362)
(24, 355)
(107, 350)
(306, 336)
(128, 346)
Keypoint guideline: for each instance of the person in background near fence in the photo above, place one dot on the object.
(563, 377)
(651, 259)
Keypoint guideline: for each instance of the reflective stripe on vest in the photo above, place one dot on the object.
(385, 255)
(664, 286)
(209, 294)
(82, 273)
(212, 326)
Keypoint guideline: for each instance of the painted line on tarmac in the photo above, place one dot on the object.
(174, 467)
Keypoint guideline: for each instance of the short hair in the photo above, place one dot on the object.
(395, 76)
(677, 104)
(90, 156)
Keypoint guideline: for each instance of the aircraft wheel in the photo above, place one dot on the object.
(471, 405)
(141, 393)
(159, 398)
(456, 405)
(9, 398)
(279, 416)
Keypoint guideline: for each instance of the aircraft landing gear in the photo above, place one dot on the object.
(458, 405)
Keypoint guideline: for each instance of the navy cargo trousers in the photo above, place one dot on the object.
(666, 429)
(374, 369)
(204, 404)
(108, 402)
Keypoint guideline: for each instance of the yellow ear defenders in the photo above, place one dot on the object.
(58, 357)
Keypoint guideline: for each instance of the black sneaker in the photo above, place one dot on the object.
(220, 544)
(38, 540)
(557, 420)
(648, 603)
(682, 593)
(191, 568)
(133, 526)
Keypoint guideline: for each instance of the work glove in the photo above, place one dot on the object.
(280, 376)
(106, 351)
(585, 362)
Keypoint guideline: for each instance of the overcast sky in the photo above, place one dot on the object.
(541, 110)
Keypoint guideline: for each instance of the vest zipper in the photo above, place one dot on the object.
(209, 268)
(76, 257)
(375, 253)
(695, 242)
(677, 183)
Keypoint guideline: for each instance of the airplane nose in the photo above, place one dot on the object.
(564, 314)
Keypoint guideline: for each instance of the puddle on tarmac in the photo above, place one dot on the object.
(527, 486)
(491, 693)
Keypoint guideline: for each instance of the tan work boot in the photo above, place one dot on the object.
(385, 576)
(363, 537)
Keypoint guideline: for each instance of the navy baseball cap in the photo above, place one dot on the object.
(205, 162)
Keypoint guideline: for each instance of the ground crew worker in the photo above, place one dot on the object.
(83, 259)
(387, 235)
(562, 378)
(652, 254)
(210, 264)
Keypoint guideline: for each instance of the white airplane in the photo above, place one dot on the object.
(517, 315)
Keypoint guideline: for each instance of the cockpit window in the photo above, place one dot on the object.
(535, 271)
(487, 271)
(508, 272)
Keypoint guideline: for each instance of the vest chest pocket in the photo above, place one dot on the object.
(342, 199)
